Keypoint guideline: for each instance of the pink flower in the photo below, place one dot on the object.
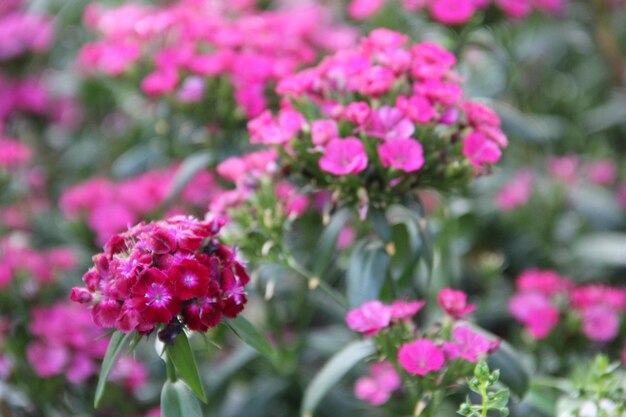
(467, 344)
(545, 281)
(47, 360)
(516, 192)
(516, 9)
(421, 357)
(370, 318)
(364, 9)
(376, 81)
(377, 387)
(192, 90)
(160, 82)
(480, 150)
(389, 123)
(454, 303)
(357, 112)
(600, 323)
(401, 310)
(13, 153)
(344, 157)
(602, 172)
(431, 61)
(346, 237)
(417, 108)
(452, 12)
(403, 154)
(536, 312)
(322, 131)
(564, 168)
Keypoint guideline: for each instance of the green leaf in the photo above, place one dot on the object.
(512, 372)
(378, 219)
(327, 244)
(181, 355)
(117, 343)
(178, 401)
(366, 273)
(333, 371)
(250, 335)
(603, 248)
(185, 173)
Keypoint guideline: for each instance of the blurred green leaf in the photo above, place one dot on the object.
(606, 248)
(327, 245)
(178, 401)
(366, 273)
(181, 355)
(250, 335)
(512, 373)
(333, 371)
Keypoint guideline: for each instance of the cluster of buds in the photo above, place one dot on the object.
(379, 120)
(439, 355)
(171, 271)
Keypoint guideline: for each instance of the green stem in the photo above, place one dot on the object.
(485, 401)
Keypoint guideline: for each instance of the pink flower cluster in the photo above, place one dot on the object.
(516, 192)
(170, 270)
(374, 316)
(570, 169)
(13, 153)
(23, 32)
(245, 172)
(376, 388)
(426, 353)
(66, 343)
(18, 259)
(423, 355)
(110, 207)
(543, 297)
(457, 12)
(199, 39)
(372, 110)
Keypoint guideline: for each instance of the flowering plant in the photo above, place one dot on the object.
(380, 120)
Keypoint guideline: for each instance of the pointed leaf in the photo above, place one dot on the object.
(366, 273)
(327, 244)
(178, 401)
(333, 371)
(250, 335)
(117, 343)
(181, 355)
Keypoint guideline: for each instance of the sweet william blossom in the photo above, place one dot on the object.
(454, 303)
(452, 12)
(403, 154)
(421, 357)
(376, 388)
(369, 318)
(344, 157)
(480, 150)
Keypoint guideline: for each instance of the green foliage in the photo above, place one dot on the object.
(481, 383)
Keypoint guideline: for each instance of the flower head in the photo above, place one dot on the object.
(454, 303)
(157, 272)
(421, 357)
(369, 318)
